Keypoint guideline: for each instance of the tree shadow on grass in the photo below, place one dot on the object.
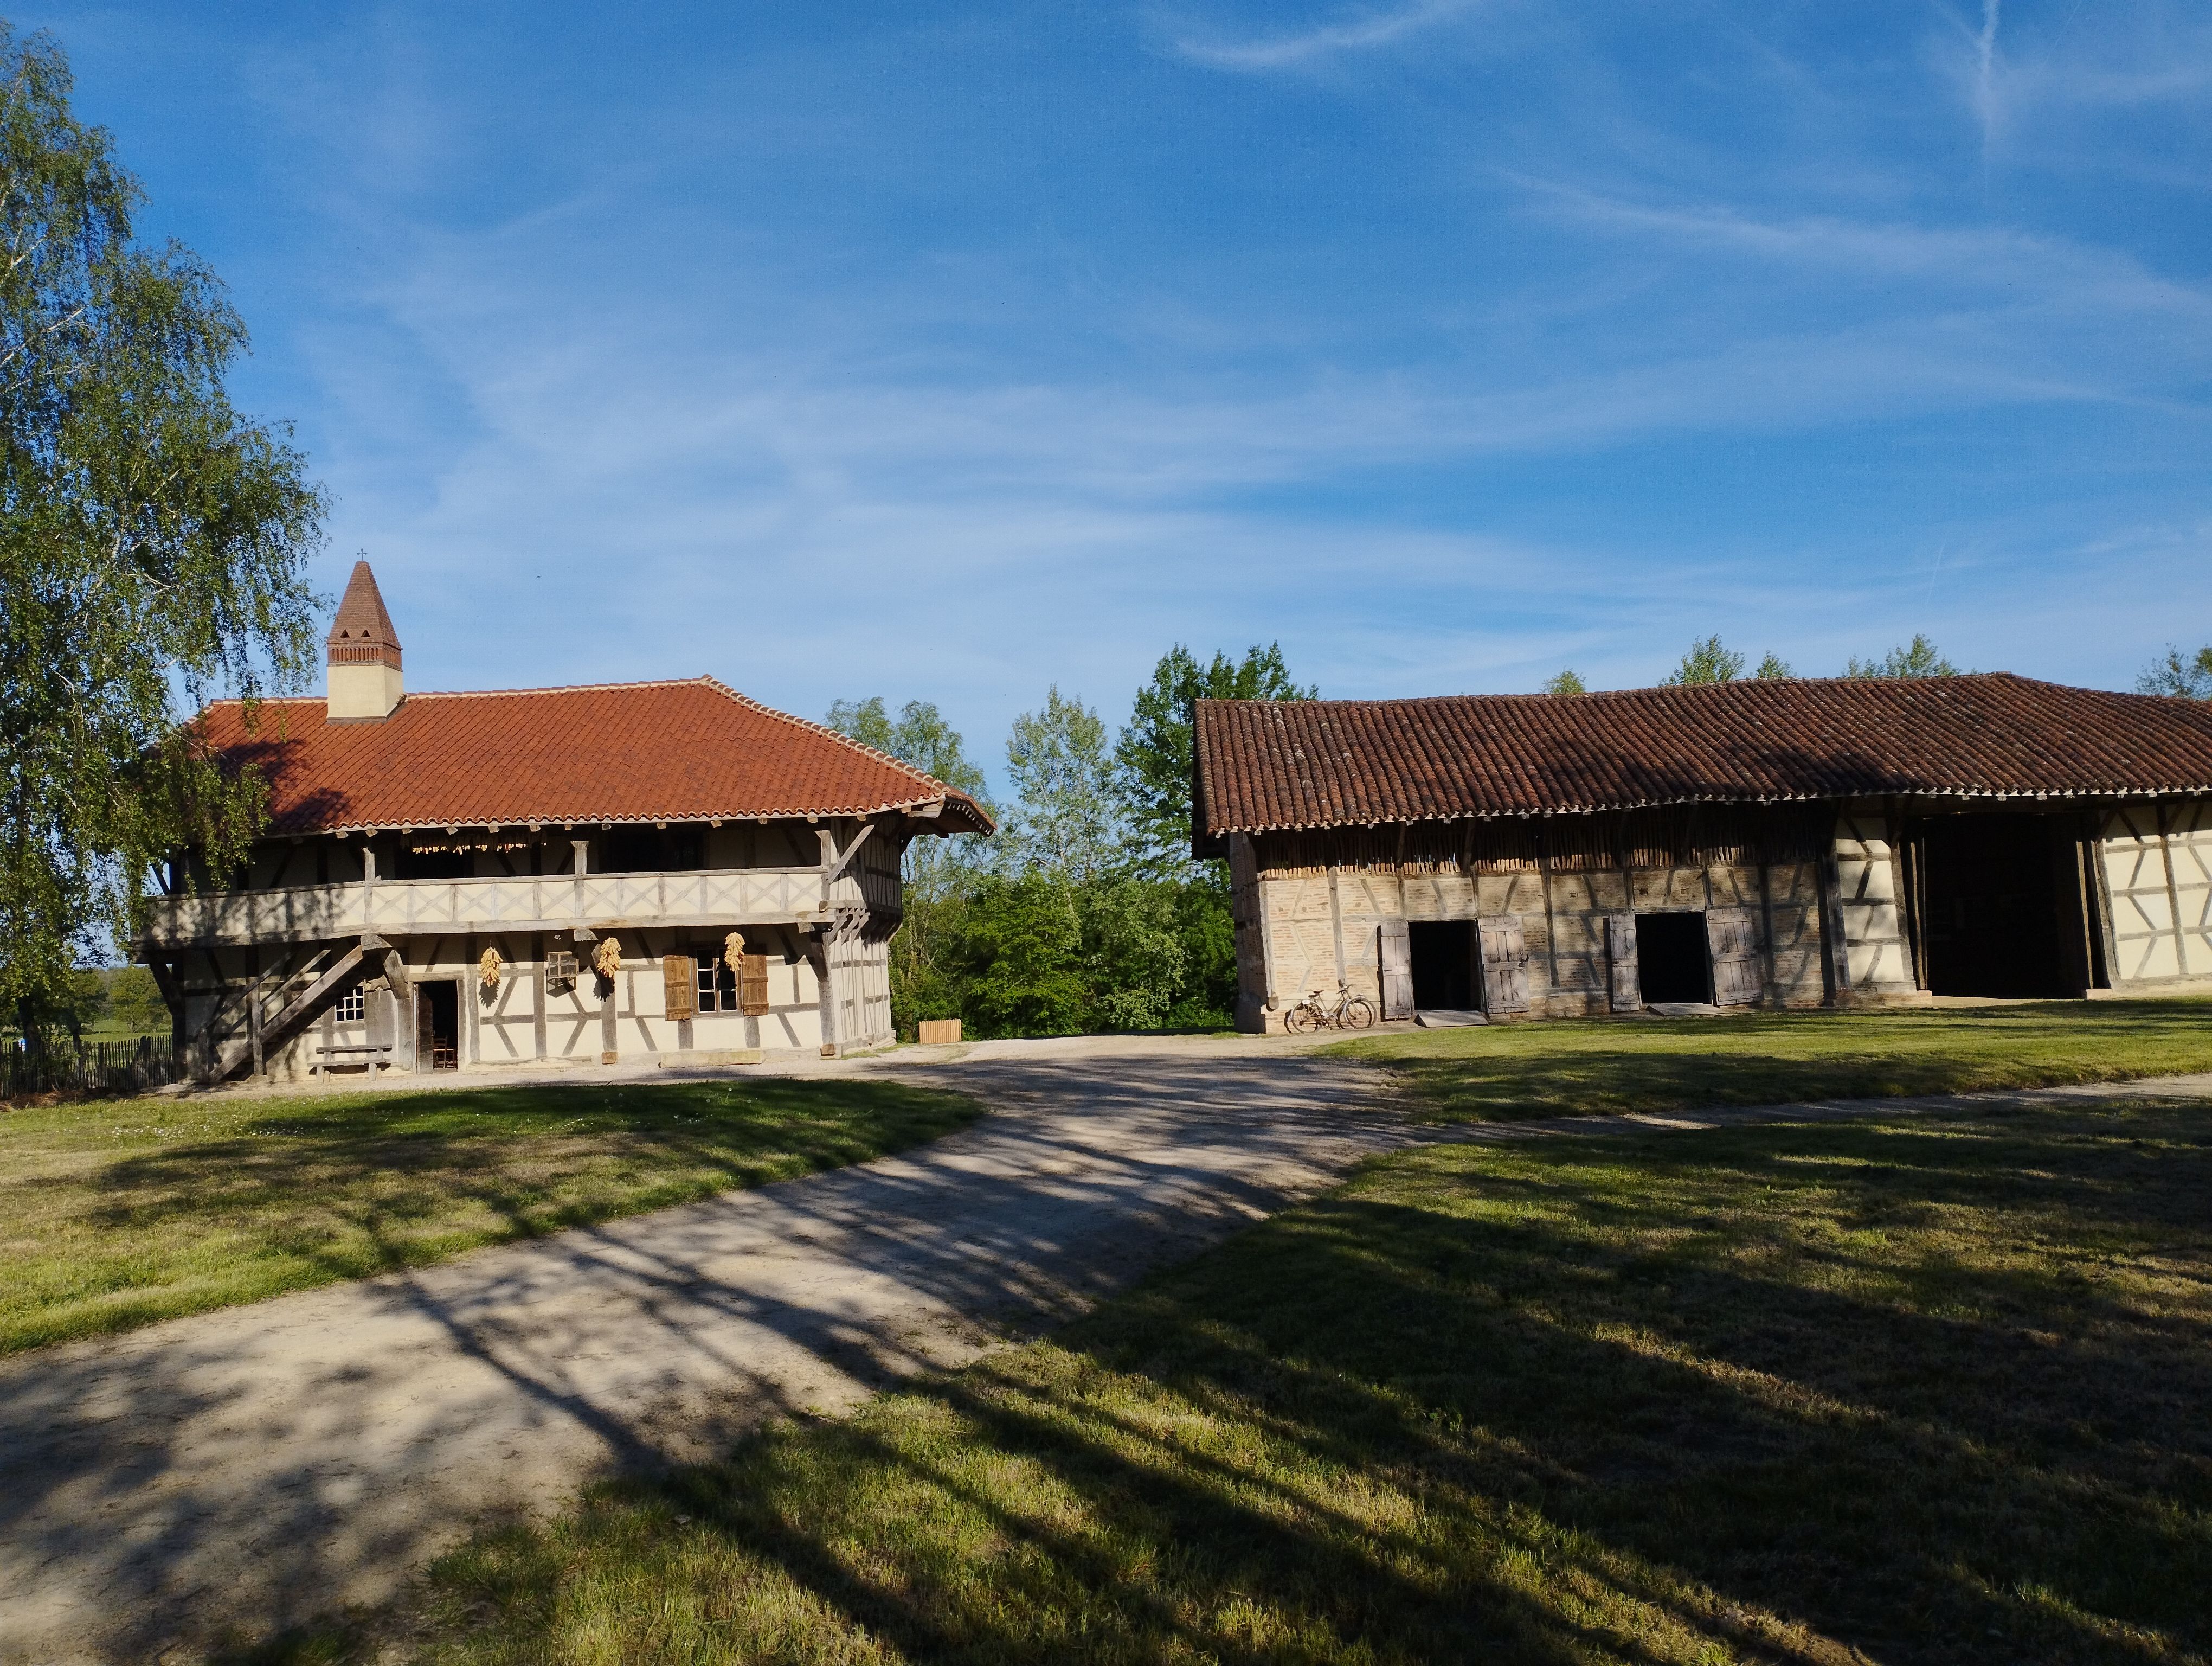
(353, 1185)
(1509, 1405)
(1609, 1065)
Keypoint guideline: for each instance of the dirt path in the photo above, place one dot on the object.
(265, 1463)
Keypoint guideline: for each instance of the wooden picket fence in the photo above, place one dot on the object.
(116, 1066)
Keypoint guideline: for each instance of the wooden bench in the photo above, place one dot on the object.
(370, 1053)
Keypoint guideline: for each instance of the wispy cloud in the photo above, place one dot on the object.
(1356, 31)
(1985, 73)
(1970, 260)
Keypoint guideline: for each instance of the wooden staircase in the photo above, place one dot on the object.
(297, 999)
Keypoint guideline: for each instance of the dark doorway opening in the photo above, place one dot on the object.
(1443, 965)
(437, 1024)
(1670, 955)
(1990, 916)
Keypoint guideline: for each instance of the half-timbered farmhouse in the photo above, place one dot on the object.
(636, 870)
(1777, 843)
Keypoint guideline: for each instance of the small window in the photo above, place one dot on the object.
(352, 1007)
(560, 974)
(718, 985)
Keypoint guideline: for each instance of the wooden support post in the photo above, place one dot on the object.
(1336, 923)
(172, 997)
(817, 957)
(1551, 919)
(403, 1026)
(1766, 924)
(1835, 948)
(537, 995)
(2115, 973)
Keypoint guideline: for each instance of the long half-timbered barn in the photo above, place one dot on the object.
(1780, 843)
(638, 870)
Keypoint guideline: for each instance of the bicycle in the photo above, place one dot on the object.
(1350, 1012)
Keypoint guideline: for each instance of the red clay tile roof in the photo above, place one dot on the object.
(618, 752)
(1268, 764)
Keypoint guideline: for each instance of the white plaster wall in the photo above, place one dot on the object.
(2157, 864)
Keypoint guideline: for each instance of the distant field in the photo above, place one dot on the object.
(119, 1212)
(1928, 1390)
(1592, 1067)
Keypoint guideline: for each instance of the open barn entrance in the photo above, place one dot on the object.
(437, 1024)
(1990, 916)
(1670, 953)
(1443, 965)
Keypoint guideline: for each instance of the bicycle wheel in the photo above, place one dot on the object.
(1301, 1019)
(1357, 1014)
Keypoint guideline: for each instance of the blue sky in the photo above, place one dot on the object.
(945, 352)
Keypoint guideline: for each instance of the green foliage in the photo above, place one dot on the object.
(152, 542)
(918, 735)
(1773, 665)
(1090, 914)
(1032, 953)
(1918, 658)
(2187, 679)
(936, 869)
(1066, 819)
(1153, 759)
(1707, 661)
(134, 1002)
(1567, 682)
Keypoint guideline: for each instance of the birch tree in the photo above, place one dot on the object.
(152, 544)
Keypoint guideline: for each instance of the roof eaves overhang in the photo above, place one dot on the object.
(956, 807)
(1216, 835)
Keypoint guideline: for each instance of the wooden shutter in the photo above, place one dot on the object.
(752, 986)
(679, 981)
(1504, 952)
(1732, 936)
(1394, 953)
(1624, 981)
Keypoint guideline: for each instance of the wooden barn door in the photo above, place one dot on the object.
(1394, 952)
(1504, 964)
(1732, 935)
(1624, 981)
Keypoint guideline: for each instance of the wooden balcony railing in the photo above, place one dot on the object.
(600, 902)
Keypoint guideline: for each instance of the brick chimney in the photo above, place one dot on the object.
(363, 655)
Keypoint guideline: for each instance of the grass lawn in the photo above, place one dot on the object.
(1594, 1066)
(1932, 1390)
(119, 1212)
